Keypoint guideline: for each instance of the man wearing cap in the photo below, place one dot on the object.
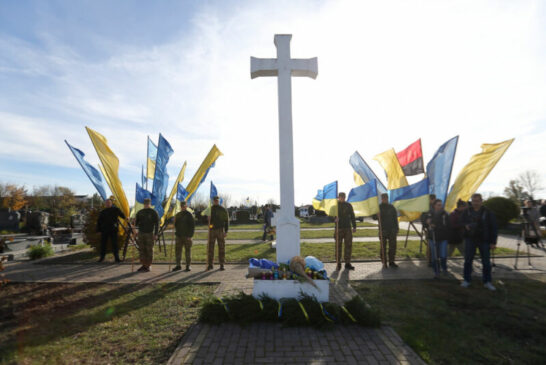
(184, 228)
(107, 225)
(218, 228)
(147, 221)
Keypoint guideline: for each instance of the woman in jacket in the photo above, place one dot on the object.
(437, 223)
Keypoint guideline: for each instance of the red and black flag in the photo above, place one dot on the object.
(411, 159)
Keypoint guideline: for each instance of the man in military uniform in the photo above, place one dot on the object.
(184, 227)
(147, 221)
(344, 221)
(218, 228)
(107, 225)
(388, 223)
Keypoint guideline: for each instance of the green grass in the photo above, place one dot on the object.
(95, 323)
(240, 253)
(253, 235)
(259, 226)
(447, 324)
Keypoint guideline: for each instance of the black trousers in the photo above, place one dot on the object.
(113, 235)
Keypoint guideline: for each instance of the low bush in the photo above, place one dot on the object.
(504, 209)
(38, 252)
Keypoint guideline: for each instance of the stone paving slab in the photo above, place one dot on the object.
(271, 343)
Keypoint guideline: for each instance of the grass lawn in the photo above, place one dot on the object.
(259, 226)
(323, 233)
(447, 324)
(46, 323)
(238, 253)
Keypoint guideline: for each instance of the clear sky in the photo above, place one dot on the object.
(389, 73)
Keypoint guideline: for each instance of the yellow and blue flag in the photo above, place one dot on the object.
(411, 198)
(203, 171)
(150, 159)
(365, 173)
(109, 168)
(178, 180)
(475, 172)
(326, 199)
(364, 200)
(142, 176)
(140, 195)
(161, 177)
(395, 175)
(213, 193)
(92, 173)
(439, 169)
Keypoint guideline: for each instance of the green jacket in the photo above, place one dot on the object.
(346, 215)
(184, 224)
(219, 217)
(147, 221)
(389, 218)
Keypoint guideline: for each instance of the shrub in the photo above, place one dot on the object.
(38, 252)
(504, 209)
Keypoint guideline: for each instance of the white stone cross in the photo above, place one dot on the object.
(284, 67)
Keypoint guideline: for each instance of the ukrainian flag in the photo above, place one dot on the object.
(411, 198)
(364, 200)
(150, 159)
(326, 199)
(140, 195)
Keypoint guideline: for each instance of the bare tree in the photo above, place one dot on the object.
(514, 191)
(530, 180)
(226, 199)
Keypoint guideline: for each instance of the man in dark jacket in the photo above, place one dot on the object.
(184, 226)
(218, 228)
(344, 221)
(456, 229)
(437, 224)
(107, 225)
(147, 221)
(268, 214)
(388, 230)
(480, 231)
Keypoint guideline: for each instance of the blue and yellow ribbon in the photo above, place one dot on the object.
(224, 304)
(348, 314)
(325, 313)
(261, 304)
(304, 311)
(279, 311)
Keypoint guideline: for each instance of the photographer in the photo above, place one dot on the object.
(437, 224)
(481, 232)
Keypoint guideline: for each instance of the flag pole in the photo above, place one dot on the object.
(147, 154)
(338, 263)
(382, 254)
(173, 240)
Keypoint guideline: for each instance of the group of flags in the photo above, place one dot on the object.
(157, 158)
(412, 200)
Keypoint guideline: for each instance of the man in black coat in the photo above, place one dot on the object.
(107, 225)
(481, 232)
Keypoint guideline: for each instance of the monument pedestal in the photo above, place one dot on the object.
(278, 289)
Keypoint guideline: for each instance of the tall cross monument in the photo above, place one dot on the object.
(284, 67)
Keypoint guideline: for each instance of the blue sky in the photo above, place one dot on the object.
(389, 73)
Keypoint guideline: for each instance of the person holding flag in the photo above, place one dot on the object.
(344, 221)
(147, 221)
(218, 229)
(184, 228)
(107, 225)
(388, 227)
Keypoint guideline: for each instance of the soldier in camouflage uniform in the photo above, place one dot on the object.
(185, 227)
(218, 228)
(344, 221)
(147, 221)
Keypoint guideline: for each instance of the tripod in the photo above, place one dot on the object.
(528, 239)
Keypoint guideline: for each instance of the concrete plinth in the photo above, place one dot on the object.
(278, 289)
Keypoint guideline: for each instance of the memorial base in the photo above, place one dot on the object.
(278, 289)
